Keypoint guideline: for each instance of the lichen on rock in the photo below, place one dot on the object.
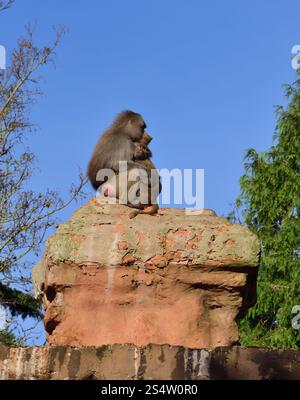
(171, 278)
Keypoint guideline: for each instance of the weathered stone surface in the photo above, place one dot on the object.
(150, 362)
(168, 279)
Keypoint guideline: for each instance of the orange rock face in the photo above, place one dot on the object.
(168, 279)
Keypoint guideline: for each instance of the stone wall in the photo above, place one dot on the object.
(155, 297)
(150, 362)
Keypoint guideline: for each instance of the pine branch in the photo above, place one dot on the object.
(20, 303)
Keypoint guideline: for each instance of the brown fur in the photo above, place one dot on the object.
(125, 140)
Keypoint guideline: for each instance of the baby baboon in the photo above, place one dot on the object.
(143, 156)
(126, 140)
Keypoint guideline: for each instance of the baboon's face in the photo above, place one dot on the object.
(135, 128)
(146, 139)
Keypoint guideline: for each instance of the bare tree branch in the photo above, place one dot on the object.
(5, 4)
(25, 216)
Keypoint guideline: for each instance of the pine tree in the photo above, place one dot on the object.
(270, 204)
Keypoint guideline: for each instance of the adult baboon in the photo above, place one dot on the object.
(117, 144)
(126, 140)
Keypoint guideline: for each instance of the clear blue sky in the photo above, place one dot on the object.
(205, 74)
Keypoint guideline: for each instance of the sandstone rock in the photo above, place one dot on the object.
(168, 279)
(148, 362)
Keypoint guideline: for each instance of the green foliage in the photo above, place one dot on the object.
(270, 204)
(19, 303)
(8, 338)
